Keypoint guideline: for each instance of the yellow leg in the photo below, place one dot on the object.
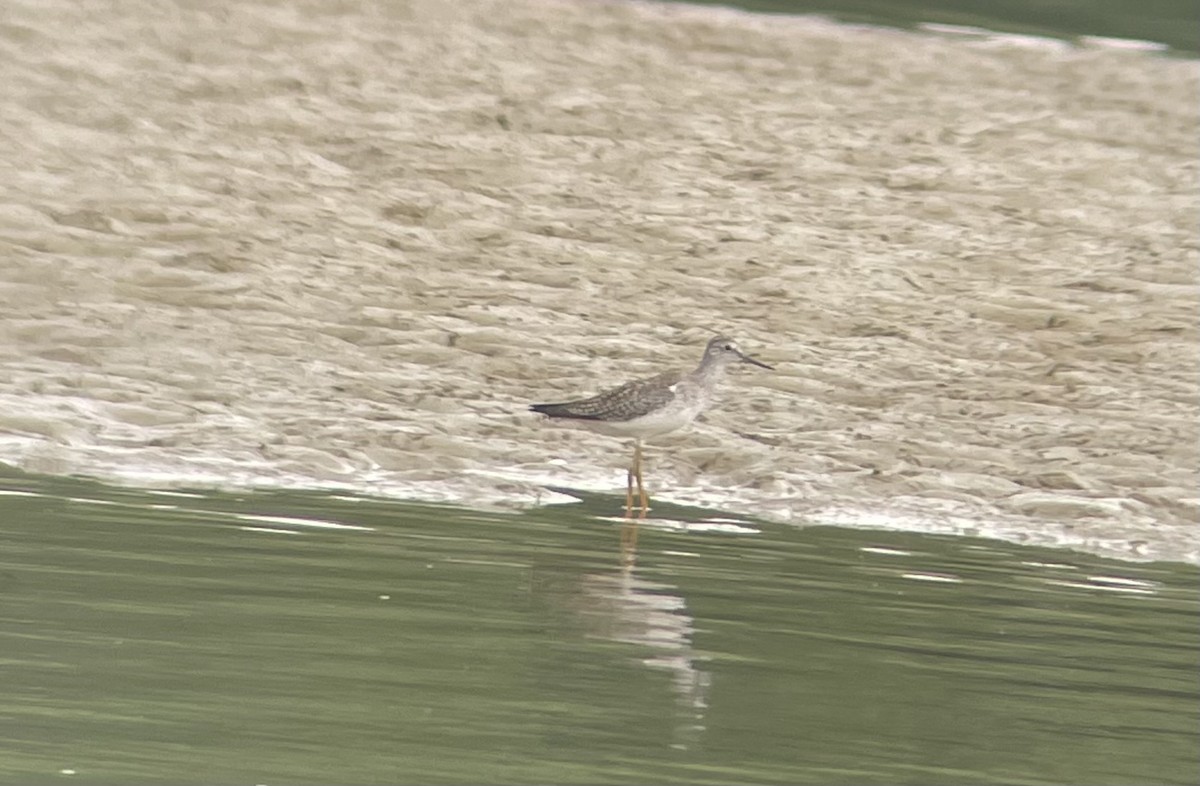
(629, 530)
(637, 464)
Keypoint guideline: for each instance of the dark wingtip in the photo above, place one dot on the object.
(561, 411)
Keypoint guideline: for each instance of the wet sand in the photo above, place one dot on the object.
(324, 243)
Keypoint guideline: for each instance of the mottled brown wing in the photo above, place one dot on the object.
(629, 401)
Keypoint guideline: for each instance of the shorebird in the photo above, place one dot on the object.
(653, 406)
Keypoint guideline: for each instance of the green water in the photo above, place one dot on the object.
(1170, 22)
(151, 638)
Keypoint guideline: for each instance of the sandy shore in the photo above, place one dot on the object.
(319, 242)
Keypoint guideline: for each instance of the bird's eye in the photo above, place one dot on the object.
(728, 347)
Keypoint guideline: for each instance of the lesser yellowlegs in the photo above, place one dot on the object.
(653, 406)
